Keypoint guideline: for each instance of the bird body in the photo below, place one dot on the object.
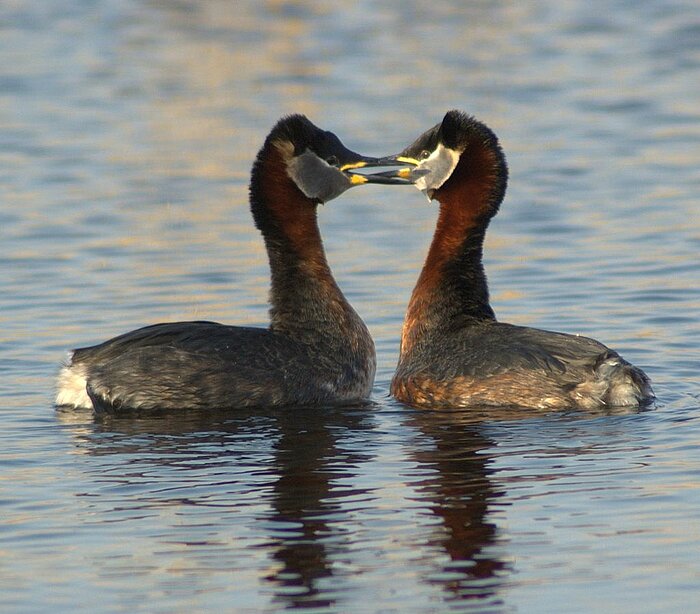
(317, 350)
(454, 353)
(491, 363)
(206, 364)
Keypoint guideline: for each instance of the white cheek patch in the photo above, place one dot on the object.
(440, 165)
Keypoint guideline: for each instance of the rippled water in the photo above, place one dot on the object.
(127, 134)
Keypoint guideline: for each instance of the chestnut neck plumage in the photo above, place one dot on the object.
(452, 286)
(304, 296)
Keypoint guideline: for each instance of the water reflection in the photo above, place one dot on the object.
(308, 514)
(460, 492)
(290, 461)
(287, 497)
(295, 476)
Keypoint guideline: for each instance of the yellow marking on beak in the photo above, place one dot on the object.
(358, 179)
(346, 167)
(408, 160)
(404, 173)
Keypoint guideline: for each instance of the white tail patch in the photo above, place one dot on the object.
(72, 387)
(616, 383)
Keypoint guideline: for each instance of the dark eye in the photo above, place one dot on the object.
(332, 160)
(424, 154)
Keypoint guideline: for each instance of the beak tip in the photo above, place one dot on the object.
(397, 176)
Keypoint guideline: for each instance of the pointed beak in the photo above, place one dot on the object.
(399, 175)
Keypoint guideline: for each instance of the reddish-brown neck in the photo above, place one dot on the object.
(303, 289)
(292, 215)
(452, 280)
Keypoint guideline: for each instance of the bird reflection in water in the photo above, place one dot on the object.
(297, 480)
(309, 512)
(460, 492)
(299, 499)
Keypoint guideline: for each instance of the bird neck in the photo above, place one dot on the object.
(452, 285)
(304, 296)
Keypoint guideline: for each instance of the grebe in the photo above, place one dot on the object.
(453, 351)
(316, 351)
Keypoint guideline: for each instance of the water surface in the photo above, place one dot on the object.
(128, 131)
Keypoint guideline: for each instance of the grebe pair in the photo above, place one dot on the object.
(317, 350)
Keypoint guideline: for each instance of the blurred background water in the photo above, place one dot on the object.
(127, 132)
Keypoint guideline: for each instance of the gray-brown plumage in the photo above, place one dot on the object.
(453, 351)
(316, 351)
